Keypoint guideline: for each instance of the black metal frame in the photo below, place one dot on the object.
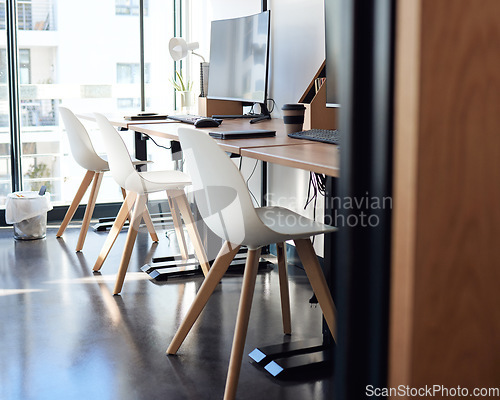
(363, 259)
(141, 54)
(13, 86)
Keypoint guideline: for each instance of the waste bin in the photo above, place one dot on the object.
(27, 211)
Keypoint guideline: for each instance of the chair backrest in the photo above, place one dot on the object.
(220, 192)
(80, 144)
(120, 163)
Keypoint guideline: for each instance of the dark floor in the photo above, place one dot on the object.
(64, 336)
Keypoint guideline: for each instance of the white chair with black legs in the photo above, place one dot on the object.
(84, 154)
(138, 186)
(225, 205)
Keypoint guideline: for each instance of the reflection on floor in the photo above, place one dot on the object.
(64, 336)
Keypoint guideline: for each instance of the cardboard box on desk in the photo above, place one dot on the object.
(317, 115)
(208, 107)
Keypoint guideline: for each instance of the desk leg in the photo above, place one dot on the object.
(329, 249)
(263, 188)
(315, 355)
(263, 196)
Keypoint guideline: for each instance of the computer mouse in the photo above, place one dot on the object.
(207, 123)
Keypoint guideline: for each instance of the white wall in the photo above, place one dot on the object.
(297, 47)
(297, 51)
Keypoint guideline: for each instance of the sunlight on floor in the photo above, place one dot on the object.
(9, 292)
(131, 276)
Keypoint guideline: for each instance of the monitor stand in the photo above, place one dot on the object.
(264, 114)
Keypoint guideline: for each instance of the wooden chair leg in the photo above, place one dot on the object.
(139, 206)
(76, 201)
(181, 201)
(149, 224)
(317, 279)
(219, 268)
(115, 229)
(89, 210)
(147, 220)
(284, 293)
(124, 194)
(240, 333)
(179, 231)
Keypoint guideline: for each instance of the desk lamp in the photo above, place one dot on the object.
(179, 48)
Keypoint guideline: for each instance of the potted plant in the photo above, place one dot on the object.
(184, 93)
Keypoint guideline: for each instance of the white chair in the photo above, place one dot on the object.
(225, 205)
(84, 154)
(138, 186)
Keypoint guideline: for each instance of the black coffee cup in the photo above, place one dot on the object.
(293, 117)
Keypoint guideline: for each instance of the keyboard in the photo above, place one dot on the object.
(318, 135)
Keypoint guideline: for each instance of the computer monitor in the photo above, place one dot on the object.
(332, 51)
(239, 58)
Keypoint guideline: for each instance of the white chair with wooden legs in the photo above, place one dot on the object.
(225, 205)
(138, 186)
(84, 154)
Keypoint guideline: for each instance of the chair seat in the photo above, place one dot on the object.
(104, 166)
(156, 181)
(288, 225)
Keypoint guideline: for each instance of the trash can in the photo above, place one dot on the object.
(27, 211)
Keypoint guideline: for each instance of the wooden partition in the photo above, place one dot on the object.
(445, 301)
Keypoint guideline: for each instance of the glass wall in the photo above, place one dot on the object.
(5, 167)
(66, 61)
(84, 56)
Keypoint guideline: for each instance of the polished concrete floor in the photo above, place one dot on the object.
(63, 335)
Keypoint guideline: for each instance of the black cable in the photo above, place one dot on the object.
(273, 103)
(318, 184)
(309, 196)
(159, 145)
(250, 112)
(251, 174)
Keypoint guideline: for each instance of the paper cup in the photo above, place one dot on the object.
(293, 117)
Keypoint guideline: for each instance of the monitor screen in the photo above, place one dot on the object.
(332, 51)
(239, 53)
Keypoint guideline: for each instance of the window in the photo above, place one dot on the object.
(63, 69)
(24, 66)
(130, 103)
(129, 7)
(31, 15)
(24, 15)
(131, 73)
(28, 111)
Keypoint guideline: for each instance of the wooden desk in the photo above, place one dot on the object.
(315, 157)
(282, 150)
(169, 131)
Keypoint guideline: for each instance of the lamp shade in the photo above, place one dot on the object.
(179, 48)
